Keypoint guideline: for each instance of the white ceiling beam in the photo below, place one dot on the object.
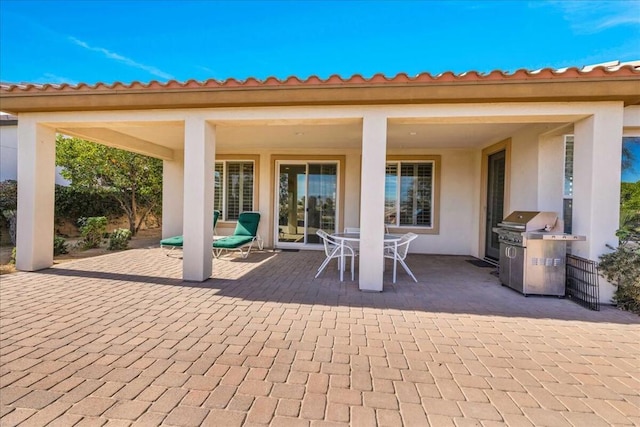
(120, 140)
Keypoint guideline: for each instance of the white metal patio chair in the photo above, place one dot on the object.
(332, 250)
(353, 245)
(398, 252)
(357, 229)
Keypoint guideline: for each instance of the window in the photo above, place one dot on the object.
(567, 201)
(409, 194)
(630, 182)
(233, 188)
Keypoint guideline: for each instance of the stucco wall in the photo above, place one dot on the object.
(551, 189)
(551, 176)
(352, 190)
(631, 119)
(458, 198)
(458, 202)
(9, 155)
(523, 194)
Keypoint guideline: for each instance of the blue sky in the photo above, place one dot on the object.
(92, 41)
(633, 173)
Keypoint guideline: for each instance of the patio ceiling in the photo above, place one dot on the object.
(349, 136)
(167, 134)
(160, 139)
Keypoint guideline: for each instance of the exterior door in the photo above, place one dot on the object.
(307, 195)
(495, 202)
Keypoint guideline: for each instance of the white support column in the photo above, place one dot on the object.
(172, 196)
(199, 160)
(36, 195)
(596, 171)
(374, 154)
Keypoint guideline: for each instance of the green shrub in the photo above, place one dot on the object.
(12, 260)
(622, 268)
(8, 207)
(92, 230)
(119, 239)
(11, 220)
(74, 203)
(60, 246)
(8, 195)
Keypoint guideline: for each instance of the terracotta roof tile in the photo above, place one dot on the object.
(609, 69)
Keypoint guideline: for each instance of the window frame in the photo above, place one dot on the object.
(567, 197)
(436, 162)
(567, 139)
(225, 160)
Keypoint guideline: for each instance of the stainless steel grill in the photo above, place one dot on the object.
(533, 252)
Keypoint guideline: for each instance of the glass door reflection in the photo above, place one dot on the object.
(307, 194)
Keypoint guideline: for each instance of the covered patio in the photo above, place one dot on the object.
(122, 338)
(439, 132)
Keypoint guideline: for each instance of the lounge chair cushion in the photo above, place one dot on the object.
(247, 224)
(177, 241)
(232, 242)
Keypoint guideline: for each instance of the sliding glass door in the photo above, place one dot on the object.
(306, 202)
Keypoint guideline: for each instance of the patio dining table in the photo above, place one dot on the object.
(343, 238)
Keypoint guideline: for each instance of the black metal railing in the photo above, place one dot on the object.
(582, 282)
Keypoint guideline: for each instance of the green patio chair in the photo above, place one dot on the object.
(245, 234)
(170, 244)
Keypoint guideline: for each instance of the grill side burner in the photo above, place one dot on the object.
(533, 252)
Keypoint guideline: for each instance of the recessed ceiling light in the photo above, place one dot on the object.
(413, 133)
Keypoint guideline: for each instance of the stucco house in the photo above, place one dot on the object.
(9, 150)
(444, 156)
(8, 147)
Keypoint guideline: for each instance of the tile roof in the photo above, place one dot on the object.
(603, 70)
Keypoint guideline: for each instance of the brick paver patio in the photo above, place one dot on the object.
(121, 340)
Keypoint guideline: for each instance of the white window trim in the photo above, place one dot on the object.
(225, 175)
(398, 164)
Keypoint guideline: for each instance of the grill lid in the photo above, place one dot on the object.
(531, 221)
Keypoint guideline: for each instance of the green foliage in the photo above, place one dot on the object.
(12, 260)
(630, 204)
(60, 246)
(630, 195)
(72, 202)
(9, 206)
(622, 268)
(119, 239)
(11, 220)
(8, 195)
(134, 180)
(92, 230)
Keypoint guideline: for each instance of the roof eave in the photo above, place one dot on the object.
(625, 89)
